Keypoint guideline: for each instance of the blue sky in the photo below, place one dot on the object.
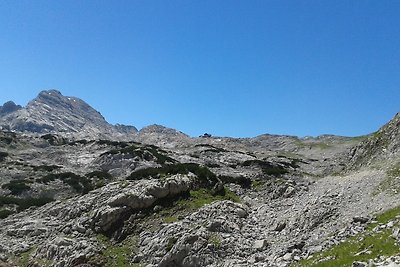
(230, 68)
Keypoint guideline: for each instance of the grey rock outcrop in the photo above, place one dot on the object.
(63, 233)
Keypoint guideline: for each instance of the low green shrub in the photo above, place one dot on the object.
(24, 203)
(104, 175)
(54, 140)
(267, 167)
(47, 168)
(3, 155)
(17, 186)
(144, 152)
(81, 184)
(5, 213)
(206, 177)
(240, 180)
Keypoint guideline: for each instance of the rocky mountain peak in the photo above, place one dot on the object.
(9, 107)
(53, 112)
(54, 101)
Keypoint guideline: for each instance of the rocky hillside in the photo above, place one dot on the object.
(51, 112)
(384, 144)
(167, 199)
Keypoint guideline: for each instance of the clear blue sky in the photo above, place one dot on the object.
(230, 68)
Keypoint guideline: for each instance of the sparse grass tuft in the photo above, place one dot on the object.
(215, 240)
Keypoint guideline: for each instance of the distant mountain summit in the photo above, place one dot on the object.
(51, 112)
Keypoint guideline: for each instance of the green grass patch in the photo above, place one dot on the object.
(360, 138)
(201, 197)
(23, 258)
(117, 255)
(170, 219)
(344, 254)
(379, 243)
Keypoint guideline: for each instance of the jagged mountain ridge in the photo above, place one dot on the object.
(51, 112)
